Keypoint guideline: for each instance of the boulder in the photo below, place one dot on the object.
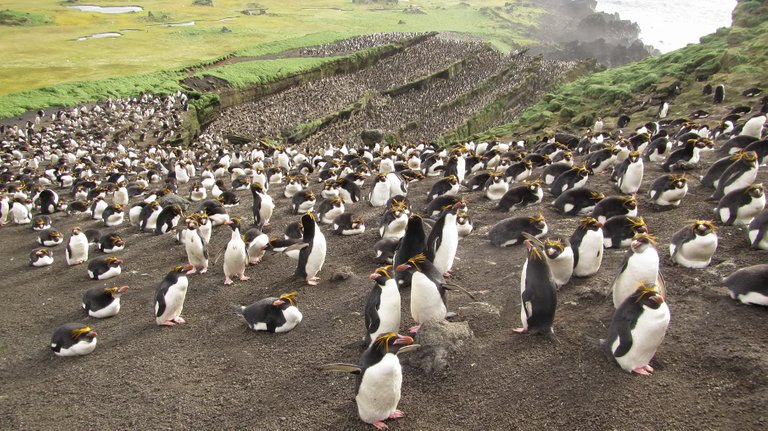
(439, 341)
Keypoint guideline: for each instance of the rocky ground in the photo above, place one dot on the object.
(215, 372)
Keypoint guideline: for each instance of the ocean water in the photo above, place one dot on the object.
(669, 25)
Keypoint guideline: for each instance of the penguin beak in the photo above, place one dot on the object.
(598, 224)
(403, 267)
(635, 245)
(188, 268)
(122, 289)
(550, 251)
(278, 303)
(657, 299)
(374, 276)
(403, 340)
(91, 334)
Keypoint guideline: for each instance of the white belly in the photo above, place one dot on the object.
(108, 311)
(646, 337)
(44, 261)
(632, 178)
(396, 228)
(590, 254)
(174, 303)
(316, 258)
(292, 318)
(389, 310)
(763, 244)
(641, 268)
(113, 271)
(426, 303)
(743, 181)
(446, 254)
(234, 257)
(379, 391)
(696, 253)
(496, 190)
(78, 349)
(672, 197)
(754, 298)
(746, 213)
(562, 267)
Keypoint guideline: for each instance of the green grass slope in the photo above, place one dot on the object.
(735, 56)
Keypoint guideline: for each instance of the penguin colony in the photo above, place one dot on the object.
(47, 175)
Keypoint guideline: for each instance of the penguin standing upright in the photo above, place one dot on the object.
(20, 213)
(148, 216)
(587, 245)
(168, 219)
(740, 206)
(382, 308)
(170, 295)
(427, 291)
(235, 256)
(274, 315)
(719, 95)
(495, 187)
(637, 329)
(196, 248)
(749, 285)
(329, 209)
(256, 243)
(263, 205)
(379, 378)
(640, 266)
(629, 174)
(443, 242)
(48, 201)
(394, 222)
(379, 191)
(77, 247)
(413, 243)
(312, 257)
(560, 258)
(538, 293)
(102, 302)
(73, 339)
(693, 246)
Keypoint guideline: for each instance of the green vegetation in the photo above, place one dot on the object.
(40, 56)
(264, 71)
(736, 57)
(15, 18)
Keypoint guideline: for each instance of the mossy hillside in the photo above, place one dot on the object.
(735, 56)
(16, 18)
(40, 56)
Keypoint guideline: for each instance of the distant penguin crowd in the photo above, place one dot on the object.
(119, 163)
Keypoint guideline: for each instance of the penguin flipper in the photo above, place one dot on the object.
(625, 337)
(340, 367)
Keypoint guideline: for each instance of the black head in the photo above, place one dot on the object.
(382, 274)
(182, 269)
(648, 296)
(234, 223)
(391, 343)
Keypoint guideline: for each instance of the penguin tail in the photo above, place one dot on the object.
(238, 309)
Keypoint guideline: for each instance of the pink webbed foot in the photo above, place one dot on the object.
(648, 368)
(519, 330)
(193, 270)
(228, 281)
(204, 270)
(312, 282)
(244, 278)
(168, 323)
(380, 425)
(178, 320)
(414, 329)
(254, 261)
(642, 371)
(397, 414)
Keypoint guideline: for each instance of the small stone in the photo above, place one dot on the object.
(342, 273)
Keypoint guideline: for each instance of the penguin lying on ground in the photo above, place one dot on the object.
(693, 246)
(101, 302)
(521, 196)
(510, 231)
(273, 315)
(50, 237)
(348, 224)
(73, 339)
(741, 173)
(740, 206)
(40, 257)
(758, 231)
(668, 190)
(379, 378)
(749, 285)
(637, 329)
(577, 201)
(615, 206)
(618, 231)
(103, 268)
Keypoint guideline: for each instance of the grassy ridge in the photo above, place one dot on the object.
(15, 18)
(735, 56)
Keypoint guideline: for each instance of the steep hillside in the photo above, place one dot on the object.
(735, 57)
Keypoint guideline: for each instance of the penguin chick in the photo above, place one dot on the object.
(73, 339)
(274, 315)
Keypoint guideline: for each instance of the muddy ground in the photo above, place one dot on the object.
(213, 372)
